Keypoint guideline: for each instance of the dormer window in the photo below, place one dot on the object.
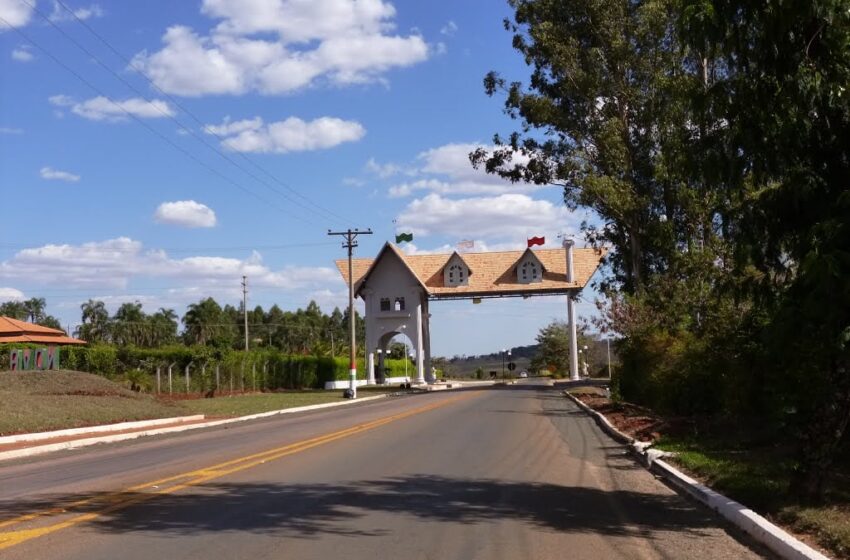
(399, 304)
(456, 273)
(529, 272)
(385, 304)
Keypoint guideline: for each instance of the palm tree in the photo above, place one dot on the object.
(203, 321)
(95, 321)
(163, 326)
(35, 308)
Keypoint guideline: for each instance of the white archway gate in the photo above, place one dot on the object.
(397, 289)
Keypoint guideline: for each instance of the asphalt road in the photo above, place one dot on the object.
(509, 473)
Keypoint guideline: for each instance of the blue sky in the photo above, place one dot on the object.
(183, 144)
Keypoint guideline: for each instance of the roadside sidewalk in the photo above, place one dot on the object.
(779, 541)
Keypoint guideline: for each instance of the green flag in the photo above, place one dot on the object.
(404, 237)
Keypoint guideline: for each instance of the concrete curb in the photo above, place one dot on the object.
(85, 442)
(106, 428)
(777, 540)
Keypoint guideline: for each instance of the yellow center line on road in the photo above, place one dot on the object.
(132, 495)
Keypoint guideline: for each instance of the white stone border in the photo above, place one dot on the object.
(748, 521)
(346, 383)
(105, 428)
(85, 442)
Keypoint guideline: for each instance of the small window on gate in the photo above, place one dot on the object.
(385, 304)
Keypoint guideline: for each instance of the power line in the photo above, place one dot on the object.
(146, 125)
(198, 249)
(197, 120)
(169, 115)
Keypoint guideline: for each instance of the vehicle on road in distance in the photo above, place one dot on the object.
(523, 374)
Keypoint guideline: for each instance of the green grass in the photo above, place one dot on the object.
(758, 475)
(242, 405)
(44, 401)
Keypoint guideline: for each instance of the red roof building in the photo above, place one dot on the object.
(12, 330)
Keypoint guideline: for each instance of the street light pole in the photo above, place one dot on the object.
(584, 365)
(503, 362)
(404, 328)
(350, 243)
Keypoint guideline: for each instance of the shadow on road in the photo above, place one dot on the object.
(310, 510)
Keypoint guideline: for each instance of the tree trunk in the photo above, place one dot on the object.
(635, 259)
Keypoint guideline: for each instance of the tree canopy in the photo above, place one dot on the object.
(711, 139)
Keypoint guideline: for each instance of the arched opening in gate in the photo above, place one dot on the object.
(394, 345)
(397, 290)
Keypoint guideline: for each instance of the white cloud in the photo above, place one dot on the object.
(115, 262)
(15, 13)
(7, 294)
(185, 213)
(22, 54)
(55, 175)
(387, 170)
(353, 182)
(10, 130)
(290, 135)
(60, 14)
(228, 127)
(479, 246)
(500, 218)
(103, 109)
(449, 28)
(447, 170)
(341, 41)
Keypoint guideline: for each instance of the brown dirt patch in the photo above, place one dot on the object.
(636, 421)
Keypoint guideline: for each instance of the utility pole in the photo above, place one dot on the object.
(350, 243)
(245, 307)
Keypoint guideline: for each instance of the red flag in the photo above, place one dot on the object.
(536, 241)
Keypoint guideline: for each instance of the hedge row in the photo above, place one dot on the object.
(208, 368)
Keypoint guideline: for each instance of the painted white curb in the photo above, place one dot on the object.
(739, 515)
(346, 383)
(74, 444)
(759, 528)
(38, 436)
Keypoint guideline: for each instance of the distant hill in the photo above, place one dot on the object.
(466, 366)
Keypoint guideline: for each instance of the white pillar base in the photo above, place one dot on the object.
(571, 312)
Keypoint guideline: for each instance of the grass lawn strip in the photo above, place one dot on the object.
(243, 405)
(256, 403)
(752, 472)
(45, 401)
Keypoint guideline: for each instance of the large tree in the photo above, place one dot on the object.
(14, 309)
(602, 116)
(783, 94)
(206, 323)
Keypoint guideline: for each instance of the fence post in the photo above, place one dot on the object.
(170, 383)
(188, 366)
(242, 377)
(158, 382)
(254, 375)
